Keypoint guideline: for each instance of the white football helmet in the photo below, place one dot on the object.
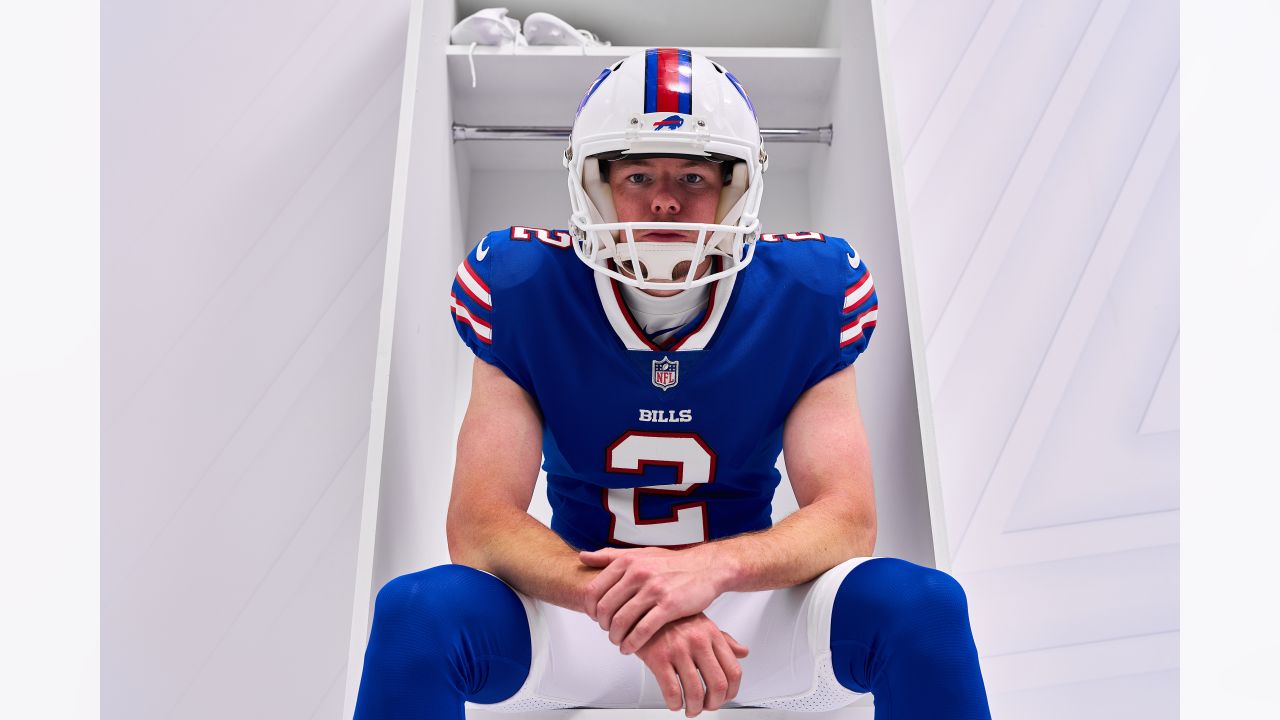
(665, 102)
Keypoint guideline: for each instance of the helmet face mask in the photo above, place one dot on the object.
(669, 103)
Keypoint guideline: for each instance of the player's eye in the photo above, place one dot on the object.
(637, 178)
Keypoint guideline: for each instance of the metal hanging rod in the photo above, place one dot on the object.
(529, 132)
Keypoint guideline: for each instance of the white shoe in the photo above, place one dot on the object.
(489, 26)
(546, 29)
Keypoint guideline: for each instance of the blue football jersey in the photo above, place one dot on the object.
(662, 445)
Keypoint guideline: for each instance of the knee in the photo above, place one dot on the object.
(461, 626)
(902, 600)
(444, 600)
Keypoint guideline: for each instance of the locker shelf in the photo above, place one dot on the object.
(543, 85)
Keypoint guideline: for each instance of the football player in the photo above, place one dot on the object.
(655, 358)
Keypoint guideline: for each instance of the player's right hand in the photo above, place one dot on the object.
(694, 654)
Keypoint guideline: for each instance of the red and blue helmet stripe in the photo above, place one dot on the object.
(668, 81)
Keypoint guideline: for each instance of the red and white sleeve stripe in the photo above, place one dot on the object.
(858, 292)
(474, 286)
(482, 329)
(854, 330)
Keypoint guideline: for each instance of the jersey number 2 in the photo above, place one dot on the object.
(695, 464)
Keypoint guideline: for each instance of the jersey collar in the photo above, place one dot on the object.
(633, 338)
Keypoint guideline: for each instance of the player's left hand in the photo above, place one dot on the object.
(640, 590)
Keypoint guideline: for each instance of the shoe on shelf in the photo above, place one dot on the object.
(489, 26)
(546, 29)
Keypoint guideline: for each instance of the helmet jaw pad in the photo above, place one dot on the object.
(598, 191)
(659, 261)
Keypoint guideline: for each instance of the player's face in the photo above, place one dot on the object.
(666, 190)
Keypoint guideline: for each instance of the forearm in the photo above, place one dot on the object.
(509, 543)
(804, 545)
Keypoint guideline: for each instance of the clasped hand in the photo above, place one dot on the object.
(639, 590)
(694, 655)
(650, 601)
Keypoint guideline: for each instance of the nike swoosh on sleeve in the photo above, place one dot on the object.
(481, 250)
(854, 261)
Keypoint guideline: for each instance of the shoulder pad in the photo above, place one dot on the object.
(821, 261)
(509, 256)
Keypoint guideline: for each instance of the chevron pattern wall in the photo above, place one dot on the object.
(1041, 164)
(247, 164)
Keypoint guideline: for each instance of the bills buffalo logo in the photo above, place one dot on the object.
(666, 373)
(671, 122)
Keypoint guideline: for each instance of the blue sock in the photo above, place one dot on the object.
(441, 637)
(901, 632)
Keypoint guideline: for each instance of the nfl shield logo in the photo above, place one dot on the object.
(666, 373)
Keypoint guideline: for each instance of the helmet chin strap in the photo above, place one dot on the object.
(659, 259)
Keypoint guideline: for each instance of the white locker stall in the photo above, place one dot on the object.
(814, 65)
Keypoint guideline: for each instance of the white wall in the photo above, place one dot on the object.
(247, 161)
